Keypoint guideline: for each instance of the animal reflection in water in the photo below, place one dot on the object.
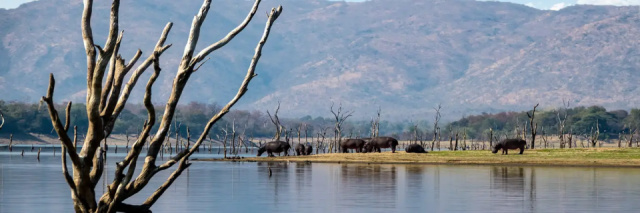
(508, 179)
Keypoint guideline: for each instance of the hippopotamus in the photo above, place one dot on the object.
(415, 148)
(507, 144)
(376, 144)
(366, 148)
(308, 149)
(274, 146)
(300, 149)
(356, 144)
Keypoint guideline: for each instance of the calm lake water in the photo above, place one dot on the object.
(27, 185)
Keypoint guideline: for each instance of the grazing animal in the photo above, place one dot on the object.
(300, 149)
(378, 143)
(415, 148)
(308, 149)
(507, 144)
(274, 146)
(356, 144)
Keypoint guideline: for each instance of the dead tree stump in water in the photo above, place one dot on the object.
(10, 142)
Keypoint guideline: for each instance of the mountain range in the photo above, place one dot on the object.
(404, 56)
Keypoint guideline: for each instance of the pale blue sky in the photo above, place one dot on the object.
(541, 4)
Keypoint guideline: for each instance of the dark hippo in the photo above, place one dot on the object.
(356, 144)
(507, 144)
(274, 146)
(308, 149)
(376, 144)
(415, 148)
(300, 149)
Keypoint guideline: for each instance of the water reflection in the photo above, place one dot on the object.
(303, 187)
(360, 184)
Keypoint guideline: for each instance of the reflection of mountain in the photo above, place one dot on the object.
(406, 55)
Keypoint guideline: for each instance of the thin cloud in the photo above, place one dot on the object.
(610, 2)
(558, 6)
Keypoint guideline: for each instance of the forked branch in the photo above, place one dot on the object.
(57, 124)
(275, 13)
(276, 121)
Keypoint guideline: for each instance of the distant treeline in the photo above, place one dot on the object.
(579, 121)
(22, 118)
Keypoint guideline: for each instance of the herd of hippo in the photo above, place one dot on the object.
(365, 145)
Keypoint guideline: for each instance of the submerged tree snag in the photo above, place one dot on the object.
(534, 126)
(106, 100)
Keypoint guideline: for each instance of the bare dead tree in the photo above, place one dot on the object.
(490, 137)
(464, 140)
(224, 141)
(455, 147)
(233, 137)
(375, 124)
(570, 139)
(534, 126)
(450, 138)
(593, 135)
(545, 138)
(561, 124)
(105, 102)
(340, 117)
(435, 125)
(276, 122)
(620, 139)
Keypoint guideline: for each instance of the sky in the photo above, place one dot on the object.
(540, 4)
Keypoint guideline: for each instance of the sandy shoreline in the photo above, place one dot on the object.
(601, 157)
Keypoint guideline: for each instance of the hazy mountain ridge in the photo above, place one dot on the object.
(406, 56)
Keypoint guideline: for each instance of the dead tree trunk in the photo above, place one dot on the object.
(340, 117)
(631, 133)
(276, 121)
(593, 136)
(534, 127)
(455, 147)
(375, 124)
(561, 124)
(435, 125)
(105, 102)
(490, 137)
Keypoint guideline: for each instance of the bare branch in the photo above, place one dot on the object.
(110, 75)
(275, 13)
(57, 125)
(98, 166)
(276, 121)
(67, 120)
(154, 197)
(194, 35)
(213, 47)
(122, 180)
(69, 179)
(87, 37)
(160, 48)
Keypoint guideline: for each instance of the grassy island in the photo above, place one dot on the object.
(602, 157)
